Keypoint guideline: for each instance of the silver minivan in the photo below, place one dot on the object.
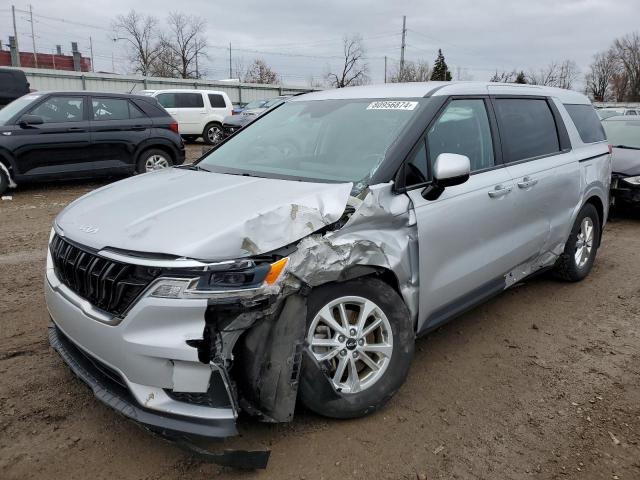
(302, 257)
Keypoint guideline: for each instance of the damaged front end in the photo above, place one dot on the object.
(255, 335)
(199, 341)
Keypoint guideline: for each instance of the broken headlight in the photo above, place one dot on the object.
(240, 278)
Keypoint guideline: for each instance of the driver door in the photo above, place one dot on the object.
(60, 144)
(464, 235)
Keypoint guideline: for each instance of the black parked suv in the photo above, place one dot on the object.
(48, 135)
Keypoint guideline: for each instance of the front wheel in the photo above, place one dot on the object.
(212, 134)
(576, 261)
(153, 159)
(360, 333)
(4, 182)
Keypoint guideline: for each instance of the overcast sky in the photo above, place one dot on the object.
(303, 39)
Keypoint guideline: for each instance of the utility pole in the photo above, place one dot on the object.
(15, 33)
(404, 34)
(33, 37)
(93, 68)
(197, 71)
(230, 73)
(385, 69)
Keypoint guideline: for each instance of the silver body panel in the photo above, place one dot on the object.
(439, 251)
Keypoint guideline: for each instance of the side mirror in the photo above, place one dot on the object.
(30, 120)
(449, 169)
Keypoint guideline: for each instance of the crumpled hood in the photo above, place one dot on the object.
(202, 215)
(625, 161)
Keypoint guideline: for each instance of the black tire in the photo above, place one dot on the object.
(567, 268)
(208, 137)
(4, 182)
(141, 164)
(368, 400)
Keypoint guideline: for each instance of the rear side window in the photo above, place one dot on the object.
(110, 109)
(587, 122)
(114, 109)
(167, 100)
(217, 101)
(188, 100)
(527, 128)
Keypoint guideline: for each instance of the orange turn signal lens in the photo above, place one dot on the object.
(275, 271)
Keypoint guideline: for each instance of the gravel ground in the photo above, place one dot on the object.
(541, 382)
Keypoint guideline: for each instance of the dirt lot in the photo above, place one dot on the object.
(542, 382)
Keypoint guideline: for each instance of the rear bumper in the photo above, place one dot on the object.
(111, 391)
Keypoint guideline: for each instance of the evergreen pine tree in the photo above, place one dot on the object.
(521, 78)
(440, 70)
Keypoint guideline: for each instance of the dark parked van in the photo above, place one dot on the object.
(13, 84)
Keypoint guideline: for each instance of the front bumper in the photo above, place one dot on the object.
(158, 373)
(110, 389)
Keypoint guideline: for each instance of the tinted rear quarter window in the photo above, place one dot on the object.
(167, 100)
(527, 128)
(189, 100)
(587, 122)
(217, 101)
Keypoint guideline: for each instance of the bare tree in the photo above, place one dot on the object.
(556, 74)
(315, 83)
(260, 72)
(503, 77)
(354, 69)
(627, 50)
(418, 71)
(184, 43)
(141, 33)
(620, 86)
(601, 72)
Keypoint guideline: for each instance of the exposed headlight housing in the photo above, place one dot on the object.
(243, 278)
(635, 181)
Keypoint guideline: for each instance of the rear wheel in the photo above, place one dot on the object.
(153, 159)
(212, 134)
(361, 333)
(576, 261)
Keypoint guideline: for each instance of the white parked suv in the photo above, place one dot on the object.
(199, 113)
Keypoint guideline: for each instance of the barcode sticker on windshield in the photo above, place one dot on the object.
(392, 105)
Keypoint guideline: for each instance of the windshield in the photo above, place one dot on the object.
(14, 107)
(255, 104)
(274, 101)
(326, 140)
(624, 133)
(607, 113)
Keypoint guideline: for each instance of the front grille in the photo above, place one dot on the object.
(106, 284)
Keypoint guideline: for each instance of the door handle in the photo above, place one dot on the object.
(76, 129)
(138, 127)
(527, 182)
(500, 191)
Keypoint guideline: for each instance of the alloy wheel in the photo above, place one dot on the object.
(352, 337)
(155, 162)
(214, 134)
(584, 242)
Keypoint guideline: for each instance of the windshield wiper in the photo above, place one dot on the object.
(191, 166)
(627, 147)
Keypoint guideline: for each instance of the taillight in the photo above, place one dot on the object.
(610, 149)
(173, 126)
